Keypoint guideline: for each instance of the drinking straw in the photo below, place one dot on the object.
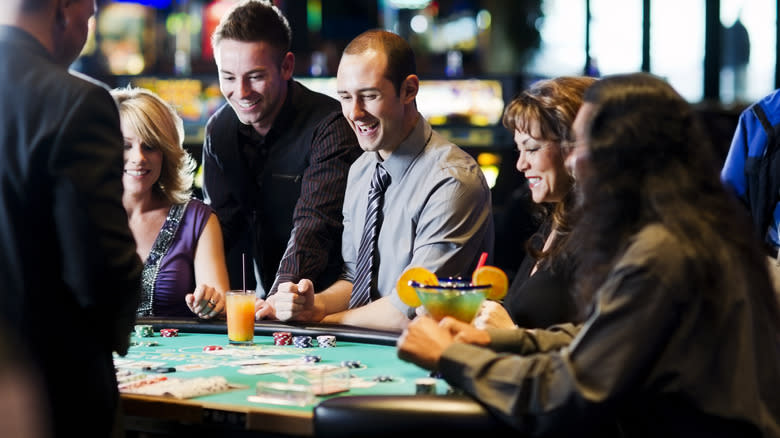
(243, 269)
(482, 260)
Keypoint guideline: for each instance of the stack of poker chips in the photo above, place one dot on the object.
(282, 338)
(169, 332)
(425, 385)
(144, 330)
(326, 341)
(302, 341)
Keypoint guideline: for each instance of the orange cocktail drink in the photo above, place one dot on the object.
(240, 307)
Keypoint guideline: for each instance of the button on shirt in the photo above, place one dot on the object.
(437, 212)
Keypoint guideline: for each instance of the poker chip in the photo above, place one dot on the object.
(302, 341)
(326, 341)
(425, 385)
(383, 378)
(169, 332)
(311, 358)
(144, 330)
(350, 363)
(160, 370)
(282, 338)
(212, 348)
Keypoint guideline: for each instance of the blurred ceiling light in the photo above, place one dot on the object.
(419, 23)
(409, 4)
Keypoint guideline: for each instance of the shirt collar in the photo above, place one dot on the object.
(412, 146)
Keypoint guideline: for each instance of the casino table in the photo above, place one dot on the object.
(381, 399)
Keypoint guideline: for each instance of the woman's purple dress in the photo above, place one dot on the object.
(169, 272)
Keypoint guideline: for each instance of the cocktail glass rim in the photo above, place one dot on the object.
(455, 284)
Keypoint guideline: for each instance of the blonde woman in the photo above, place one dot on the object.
(178, 237)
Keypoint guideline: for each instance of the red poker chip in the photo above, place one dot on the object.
(169, 332)
(212, 348)
(283, 338)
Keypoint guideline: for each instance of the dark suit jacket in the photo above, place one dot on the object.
(69, 273)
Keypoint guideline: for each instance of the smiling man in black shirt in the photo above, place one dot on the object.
(276, 156)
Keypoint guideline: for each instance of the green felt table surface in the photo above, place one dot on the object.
(380, 409)
(187, 348)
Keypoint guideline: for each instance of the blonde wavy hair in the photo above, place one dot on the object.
(158, 125)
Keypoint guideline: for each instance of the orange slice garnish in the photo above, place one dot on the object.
(495, 277)
(406, 293)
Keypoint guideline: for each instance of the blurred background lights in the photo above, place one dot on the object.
(459, 34)
(419, 24)
(483, 19)
(409, 4)
(134, 64)
(489, 163)
(314, 15)
(159, 4)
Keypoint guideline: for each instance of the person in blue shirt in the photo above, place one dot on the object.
(752, 172)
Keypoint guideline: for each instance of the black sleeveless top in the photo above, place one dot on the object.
(542, 299)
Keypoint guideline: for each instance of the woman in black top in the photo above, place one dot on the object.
(541, 119)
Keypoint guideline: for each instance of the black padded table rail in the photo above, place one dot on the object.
(267, 328)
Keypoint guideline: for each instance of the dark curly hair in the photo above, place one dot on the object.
(649, 161)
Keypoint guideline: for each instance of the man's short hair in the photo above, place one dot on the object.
(400, 56)
(255, 21)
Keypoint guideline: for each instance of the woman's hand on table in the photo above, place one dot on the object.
(206, 301)
(492, 315)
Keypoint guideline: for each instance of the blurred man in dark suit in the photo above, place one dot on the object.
(70, 275)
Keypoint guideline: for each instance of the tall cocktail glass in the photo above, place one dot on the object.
(240, 306)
